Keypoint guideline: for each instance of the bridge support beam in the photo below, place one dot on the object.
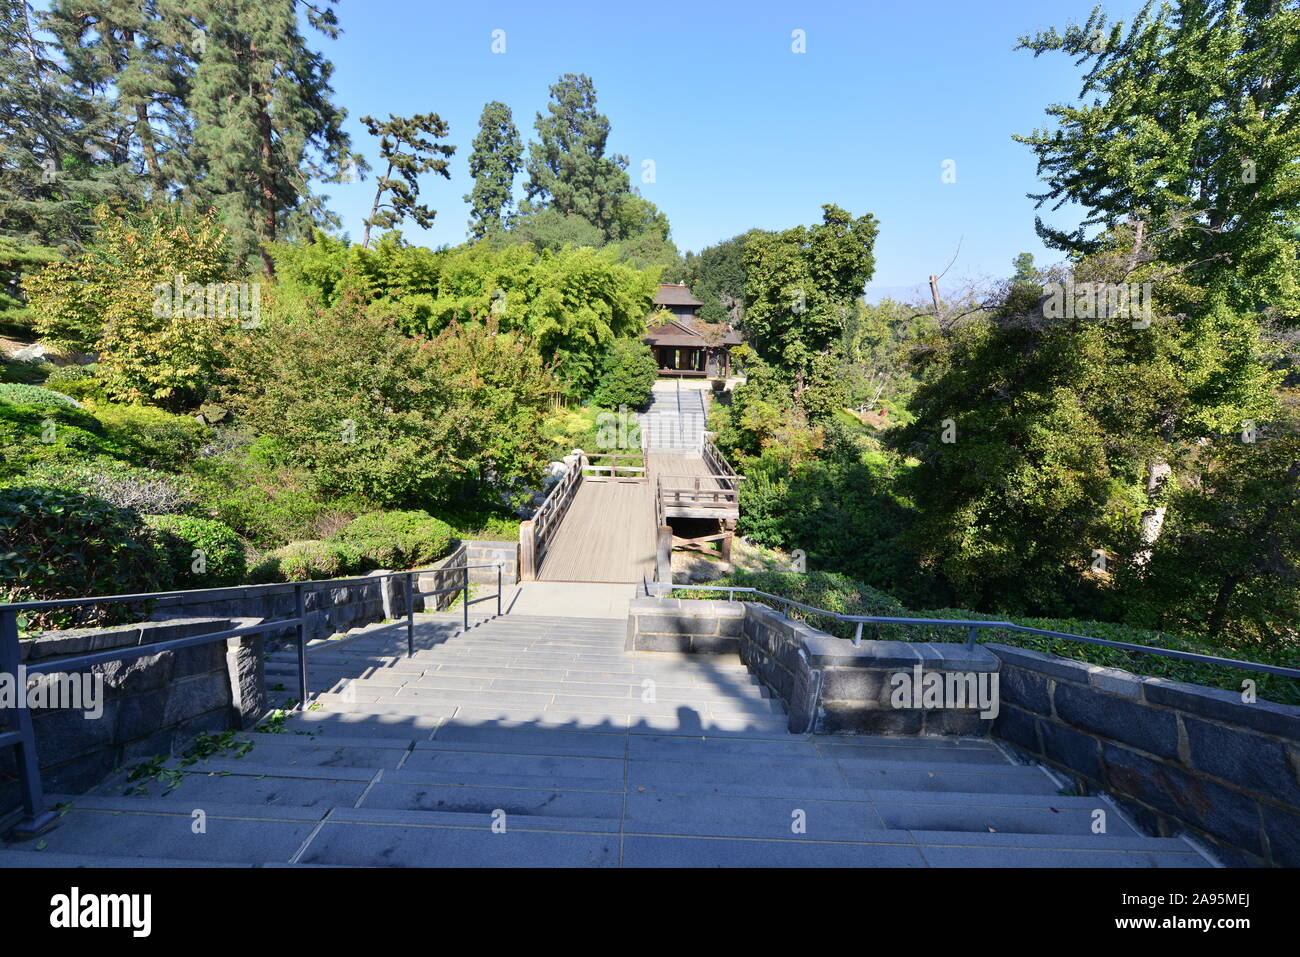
(664, 555)
(527, 551)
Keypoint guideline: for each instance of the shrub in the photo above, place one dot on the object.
(309, 560)
(147, 491)
(79, 382)
(59, 543)
(19, 394)
(627, 376)
(202, 553)
(150, 436)
(29, 371)
(30, 434)
(828, 590)
(399, 539)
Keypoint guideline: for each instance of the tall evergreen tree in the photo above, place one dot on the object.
(567, 167)
(405, 146)
(265, 124)
(137, 57)
(493, 164)
(53, 168)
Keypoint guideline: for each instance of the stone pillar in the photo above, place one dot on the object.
(664, 555)
(247, 679)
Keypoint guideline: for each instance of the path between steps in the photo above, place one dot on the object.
(537, 740)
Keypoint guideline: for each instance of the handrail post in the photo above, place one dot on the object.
(410, 614)
(36, 818)
(857, 635)
(464, 597)
(499, 564)
(300, 612)
(971, 635)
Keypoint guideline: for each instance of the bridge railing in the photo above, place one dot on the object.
(973, 628)
(615, 466)
(22, 737)
(535, 534)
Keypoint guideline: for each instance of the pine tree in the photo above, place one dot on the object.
(264, 122)
(137, 58)
(567, 169)
(493, 164)
(53, 170)
(405, 147)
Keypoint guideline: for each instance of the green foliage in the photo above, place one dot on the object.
(18, 258)
(62, 544)
(411, 539)
(143, 297)
(79, 382)
(801, 283)
(147, 491)
(407, 147)
(573, 303)
(31, 434)
(24, 371)
(567, 167)
(1186, 124)
(200, 552)
(493, 164)
(627, 376)
(716, 276)
(34, 396)
(487, 522)
(151, 436)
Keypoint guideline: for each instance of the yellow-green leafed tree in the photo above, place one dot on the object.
(154, 295)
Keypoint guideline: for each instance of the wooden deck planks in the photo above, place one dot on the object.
(608, 535)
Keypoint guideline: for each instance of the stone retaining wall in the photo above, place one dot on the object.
(828, 686)
(152, 704)
(1175, 755)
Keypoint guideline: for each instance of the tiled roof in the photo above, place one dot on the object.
(675, 295)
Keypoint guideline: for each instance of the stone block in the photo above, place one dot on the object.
(1282, 828)
(140, 715)
(1245, 759)
(246, 672)
(1079, 752)
(1218, 704)
(1018, 727)
(1228, 814)
(965, 723)
(1119, 719)
(196, 696)
(1026, 689)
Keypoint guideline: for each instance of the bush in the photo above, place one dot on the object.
(28, 371)
(79, 382)
(31, 434)
(202, 553)
(147, 491)
(399, 539)
(150, 436)
(310, 560)
(59, 543)
(834, 592)
(627, 376)
(18, 394)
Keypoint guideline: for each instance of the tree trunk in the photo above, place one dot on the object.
(374, 209)
(1153, 518)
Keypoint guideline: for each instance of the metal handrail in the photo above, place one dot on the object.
(36, 818)
(974, 627)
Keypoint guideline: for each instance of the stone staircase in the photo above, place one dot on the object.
(673, 421)
(533, 740)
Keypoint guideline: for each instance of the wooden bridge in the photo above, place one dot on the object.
(608, 518)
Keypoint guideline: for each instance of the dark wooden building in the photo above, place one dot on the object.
(686, 345)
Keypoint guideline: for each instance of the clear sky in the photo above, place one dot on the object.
(742, 130)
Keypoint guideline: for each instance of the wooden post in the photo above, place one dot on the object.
(664, 555)
(527, 552)
(724, 546)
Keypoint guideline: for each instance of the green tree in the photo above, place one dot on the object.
(1185, 128)
(801, 284)
(493, 164)
(627, 376)
(568, 169)
(405, 146)
(264, 122)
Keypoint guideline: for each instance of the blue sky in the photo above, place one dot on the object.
(744, 132)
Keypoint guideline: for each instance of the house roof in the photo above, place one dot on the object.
(700, 334)
(671, 294)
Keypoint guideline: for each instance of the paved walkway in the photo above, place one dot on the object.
(570, 599)
(539, 741)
